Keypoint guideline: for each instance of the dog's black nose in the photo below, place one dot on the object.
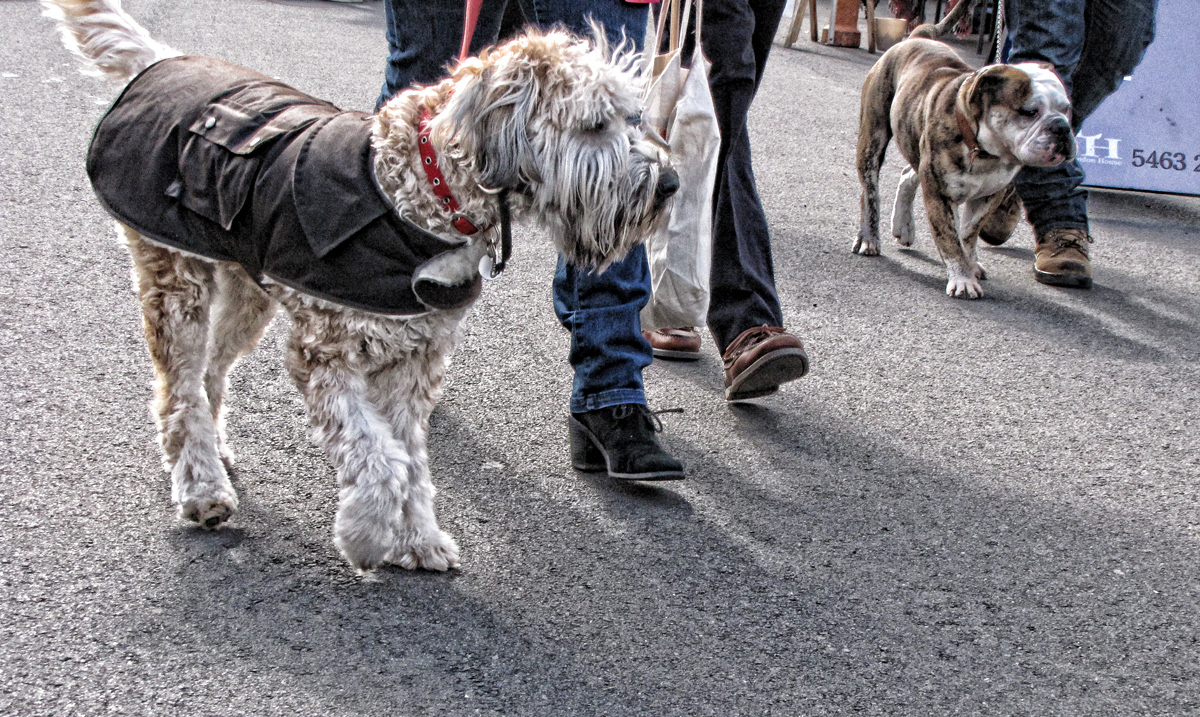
(668, 183)
(1064, 138)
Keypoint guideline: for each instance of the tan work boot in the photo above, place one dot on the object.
(1062, 258)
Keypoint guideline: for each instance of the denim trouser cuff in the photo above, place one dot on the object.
(1053, 196)
(616, 397)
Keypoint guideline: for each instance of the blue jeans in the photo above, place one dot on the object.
(1093, 44)
(602, 311)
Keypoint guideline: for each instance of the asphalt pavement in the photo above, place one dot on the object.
(967, 508)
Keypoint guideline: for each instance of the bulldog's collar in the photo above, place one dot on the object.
(970, 138)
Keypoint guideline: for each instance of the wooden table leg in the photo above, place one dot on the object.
(871, 26)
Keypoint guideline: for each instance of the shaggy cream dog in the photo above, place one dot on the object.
(545, 124)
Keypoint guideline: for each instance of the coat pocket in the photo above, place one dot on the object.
(222, 152)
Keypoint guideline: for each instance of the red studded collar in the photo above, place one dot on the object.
(440, 188)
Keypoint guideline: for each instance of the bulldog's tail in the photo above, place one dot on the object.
(947, 24)
(111, 42)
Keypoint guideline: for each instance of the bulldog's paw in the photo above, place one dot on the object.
(906, 235)
(866, 246)
(980, 272)
(434, 550)
(964, 287)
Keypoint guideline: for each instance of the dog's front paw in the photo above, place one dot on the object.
(964, 287)
(209, 513)
(980, 272)
(906, 235)
(365, 543)
(205, 497)
(432, 551)
(866, 246)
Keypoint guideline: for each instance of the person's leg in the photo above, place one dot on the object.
(424, 36)
(610, 427)
(1116, 37)
(616, 16)
(1050, 31)
(737, 40)
(602, 313)
(1092, 44)
(742, 281)
(1053, 31)
(744, 315)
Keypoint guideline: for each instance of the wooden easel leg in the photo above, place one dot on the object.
(797, 18)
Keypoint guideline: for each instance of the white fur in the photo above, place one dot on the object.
(545, 116)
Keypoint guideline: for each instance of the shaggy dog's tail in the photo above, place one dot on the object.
(111, 42)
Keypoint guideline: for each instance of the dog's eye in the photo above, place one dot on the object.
(634, 119)
(599, 126)
(1028, 112)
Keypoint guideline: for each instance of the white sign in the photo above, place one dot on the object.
(1146, 135)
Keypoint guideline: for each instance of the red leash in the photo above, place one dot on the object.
(491, 265)
(469, 27)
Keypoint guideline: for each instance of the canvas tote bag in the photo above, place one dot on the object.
(679, 114)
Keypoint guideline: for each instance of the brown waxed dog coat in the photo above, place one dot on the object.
(220, 161)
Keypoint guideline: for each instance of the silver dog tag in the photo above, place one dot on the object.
(487, 266)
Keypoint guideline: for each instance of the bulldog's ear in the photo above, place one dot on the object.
(994, 84)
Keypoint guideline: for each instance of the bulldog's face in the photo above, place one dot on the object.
(1023, 113)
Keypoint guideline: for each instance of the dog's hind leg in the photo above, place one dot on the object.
(902, 211)
(406, 392)
(176, 293)
(241, 313)
(327, 361)
(874, 134)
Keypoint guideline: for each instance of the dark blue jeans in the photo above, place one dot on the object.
(602, 311)
(1093, 44)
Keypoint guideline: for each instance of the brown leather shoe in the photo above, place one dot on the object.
(1062, 258)
(679, 344)
(759, 360)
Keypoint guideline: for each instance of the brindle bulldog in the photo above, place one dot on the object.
(965, 134)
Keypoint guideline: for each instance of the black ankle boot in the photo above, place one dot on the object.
(620, 440)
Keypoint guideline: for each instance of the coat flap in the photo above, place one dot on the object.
(334, 188)
(249, 118)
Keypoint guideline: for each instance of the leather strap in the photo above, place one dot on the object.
(969, 137)
(469, 19)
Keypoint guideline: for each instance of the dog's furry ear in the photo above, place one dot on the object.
(489, 120)
(995, 84)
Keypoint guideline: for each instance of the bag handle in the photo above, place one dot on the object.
(677, 19)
